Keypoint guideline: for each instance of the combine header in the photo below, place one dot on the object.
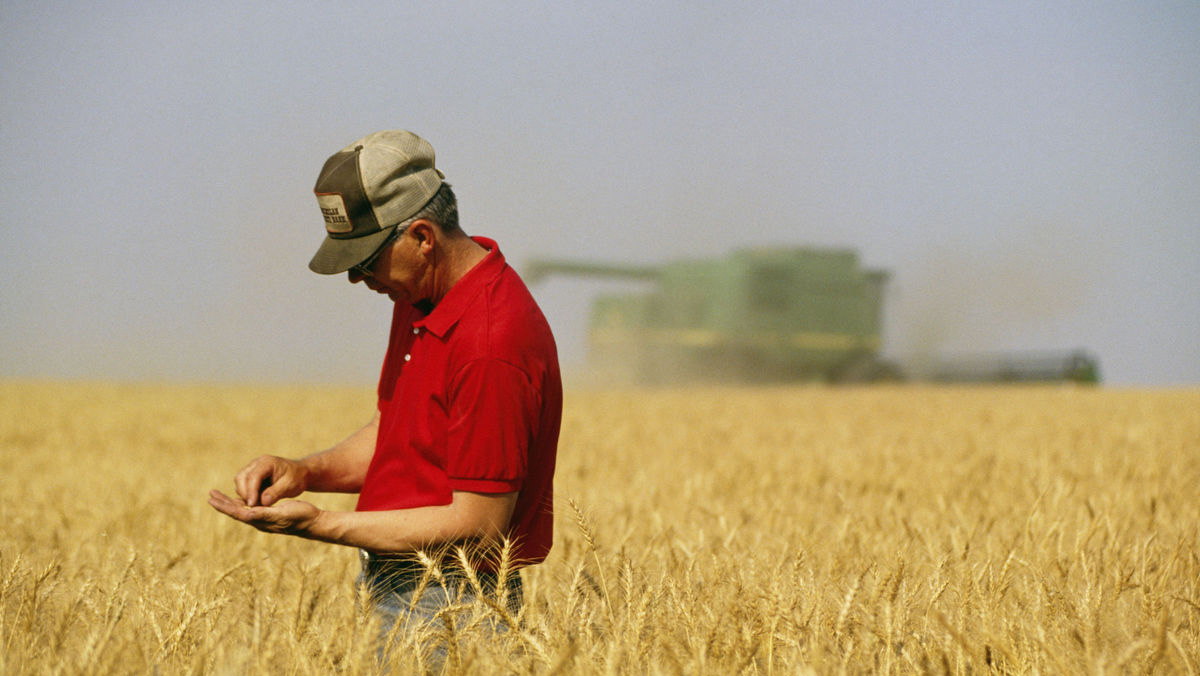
(1032, 367)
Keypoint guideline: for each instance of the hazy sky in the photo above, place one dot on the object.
(1029, 172)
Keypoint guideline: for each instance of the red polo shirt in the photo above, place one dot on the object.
(470, 399)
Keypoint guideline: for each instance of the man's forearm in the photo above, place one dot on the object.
(341, 469)
(469, 516)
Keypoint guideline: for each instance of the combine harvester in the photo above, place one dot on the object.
(768, 315)
(756, 316)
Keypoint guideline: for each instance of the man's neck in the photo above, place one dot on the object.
(459, 256)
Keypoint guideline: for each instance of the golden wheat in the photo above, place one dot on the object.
(741, 531)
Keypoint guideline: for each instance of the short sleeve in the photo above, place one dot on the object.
(491, 421)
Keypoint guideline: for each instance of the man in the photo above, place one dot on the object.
(462, 446)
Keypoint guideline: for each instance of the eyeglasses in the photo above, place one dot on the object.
(364, 269)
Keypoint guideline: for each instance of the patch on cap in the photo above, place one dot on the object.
(337, 217)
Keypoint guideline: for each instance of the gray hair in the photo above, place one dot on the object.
(442, 209)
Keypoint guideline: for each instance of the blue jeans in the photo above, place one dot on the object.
(403, 604)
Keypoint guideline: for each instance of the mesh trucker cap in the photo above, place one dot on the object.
(365, 189)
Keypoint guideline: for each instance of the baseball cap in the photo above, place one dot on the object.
(365, 189)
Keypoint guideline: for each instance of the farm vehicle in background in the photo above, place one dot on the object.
(767, 315)
(756, 316)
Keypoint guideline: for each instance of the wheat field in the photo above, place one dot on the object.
(900, 529)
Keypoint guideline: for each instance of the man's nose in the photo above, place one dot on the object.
(354, 276)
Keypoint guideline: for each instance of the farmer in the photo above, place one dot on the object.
(461, 450)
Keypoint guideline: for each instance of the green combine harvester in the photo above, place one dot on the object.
(756, 316)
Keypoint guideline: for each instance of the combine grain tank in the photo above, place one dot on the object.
(759, 315)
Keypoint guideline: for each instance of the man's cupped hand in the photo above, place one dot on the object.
(293, 517)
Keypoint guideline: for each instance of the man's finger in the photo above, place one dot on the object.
(259, 490)
(250, 480)
(227, 505)
(220, 502)
(241, 481)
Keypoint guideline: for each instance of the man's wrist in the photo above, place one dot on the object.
(305, 472)
(322, 526)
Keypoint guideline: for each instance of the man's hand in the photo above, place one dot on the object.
(293, 517)
(268, 479)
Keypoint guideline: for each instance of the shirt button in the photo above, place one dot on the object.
(416, 331)
(407, 357)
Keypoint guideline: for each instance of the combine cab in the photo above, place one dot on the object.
(756, 316)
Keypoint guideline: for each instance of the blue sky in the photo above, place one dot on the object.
(1029, 172)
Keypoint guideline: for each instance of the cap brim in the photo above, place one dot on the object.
(339, 255)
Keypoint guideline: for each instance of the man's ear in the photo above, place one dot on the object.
(425, 232)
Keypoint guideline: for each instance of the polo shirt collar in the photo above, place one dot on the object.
(452, 306)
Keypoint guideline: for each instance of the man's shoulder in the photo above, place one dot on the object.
(508, 287)
(505, 317)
